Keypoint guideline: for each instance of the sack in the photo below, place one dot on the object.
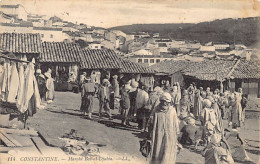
(145, 147)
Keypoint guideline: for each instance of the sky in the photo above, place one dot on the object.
(110, 13)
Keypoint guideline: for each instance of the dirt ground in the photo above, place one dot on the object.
(63, 115)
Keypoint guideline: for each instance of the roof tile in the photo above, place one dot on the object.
(60, 52)
(99, 59)
(20, 42)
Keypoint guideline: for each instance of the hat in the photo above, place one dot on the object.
(207, 103)
(128, 87)
(38, 71)
(47, 74)
(166, 97)
(135, 84)
(84, 73)
(105, 81)
(185, 92)
(115, 77)
(191, 116)
(88, 79)
(210, 98)
(175, 88)
(156, 89)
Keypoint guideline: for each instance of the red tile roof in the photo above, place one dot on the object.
(131, 67)
(247, 70)
(60, 52)
(210, 69)
(171, 66)
(20, 42)
(99, 59)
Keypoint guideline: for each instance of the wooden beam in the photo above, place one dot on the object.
(40, 145)
(10, 138)
(6, 141)
(19, 132)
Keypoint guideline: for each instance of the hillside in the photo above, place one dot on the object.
(245, 31)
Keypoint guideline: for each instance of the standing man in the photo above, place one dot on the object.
(41, 83)
(141, 102)
(125, 103)
(49, 88)
(87, 94)
(104, 98)
(164, 132)
(82, 79)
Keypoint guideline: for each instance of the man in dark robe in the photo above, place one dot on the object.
(41, 83)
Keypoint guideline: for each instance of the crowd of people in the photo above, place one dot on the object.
(175, 116)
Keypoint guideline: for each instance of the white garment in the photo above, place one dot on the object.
(5, 84)
(36, 94)
(14, 84)
(28, 87)
(21, 87)
(141, 98)
(210, 116)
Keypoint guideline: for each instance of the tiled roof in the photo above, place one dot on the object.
(47, 28)
(99, 59)
(247, 69)
(60, 52)
(171, 66)
(20, 42)
(18, 23)
(9, 6)
(210, 69)
(131, 67)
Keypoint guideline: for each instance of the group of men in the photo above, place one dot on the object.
(46, 85)
(171, 115)
(103, 91)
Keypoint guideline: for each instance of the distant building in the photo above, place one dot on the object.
(109, 45)
(119, 33)
(129, 37)
(16, 11)
(69, 27)
(110, 36)
(99, 31)
(240, 46)
(141, 52)
(149, 60)
(221, 46)
(162, 48)
(17, 27)
(207, 49)
(51, 34)
(151, 45)
(193, 45)
(141, 35)
(95, 46)
(177, 44)
(156, 35)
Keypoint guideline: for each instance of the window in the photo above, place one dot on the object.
(145, 60)
(157, 60)
(151, 60)
(140, 60)
(96, 47)
(42, 35)
(51, 36)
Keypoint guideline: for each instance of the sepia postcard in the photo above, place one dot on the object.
(141, 81)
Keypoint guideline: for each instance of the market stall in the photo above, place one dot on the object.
(19, 94)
